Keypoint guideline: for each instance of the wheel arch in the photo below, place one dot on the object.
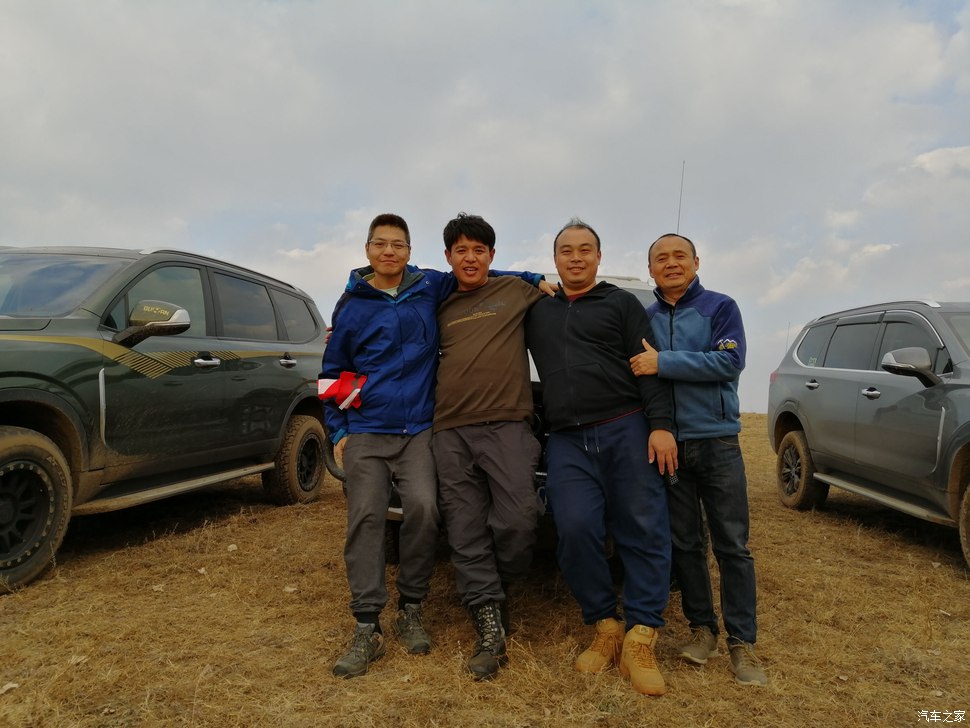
(958, 479)
(785, 422)
(52, 417)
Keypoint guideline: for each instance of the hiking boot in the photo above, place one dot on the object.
(366, 646)
(604, 653)
(701, 645)
(639, 663)
(489, 652)
(746, 665)
(410, 632)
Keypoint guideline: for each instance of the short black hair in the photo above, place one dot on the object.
(473, 227)
(389, 218)
(690, 242)
(575, 223)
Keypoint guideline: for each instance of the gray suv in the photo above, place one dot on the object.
(128, 376)
(876, 401)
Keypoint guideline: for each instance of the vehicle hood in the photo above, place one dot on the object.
(9, 323)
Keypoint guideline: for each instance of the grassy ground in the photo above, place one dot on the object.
(216, 609)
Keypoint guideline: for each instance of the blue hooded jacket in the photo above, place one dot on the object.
(701, 348)
(394, 341)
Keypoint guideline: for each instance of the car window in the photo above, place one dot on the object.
(960, 324)
(176, 284)
(245, 308)
(851, 346)
(51, 284)
(901, 334)
(812, 348)
(296, 316)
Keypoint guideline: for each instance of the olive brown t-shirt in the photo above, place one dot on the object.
(483, 372)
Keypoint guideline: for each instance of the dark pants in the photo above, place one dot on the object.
(371, 461)
(711, 472)
(488, 500)
(600, 483)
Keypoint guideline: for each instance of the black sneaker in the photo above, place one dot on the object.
(410, 632)
(366, 646)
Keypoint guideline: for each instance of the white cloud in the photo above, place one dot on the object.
(825, 142)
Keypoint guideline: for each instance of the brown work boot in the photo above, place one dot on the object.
(639, 663)
(604, 653)
(489, 652)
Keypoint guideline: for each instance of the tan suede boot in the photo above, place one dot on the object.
(639, 663)
(604, 653)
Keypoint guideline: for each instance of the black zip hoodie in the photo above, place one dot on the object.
(582, 352)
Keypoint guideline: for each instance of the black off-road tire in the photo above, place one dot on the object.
(300, 463)
(795, 471)
(965, 525)
(35, 505)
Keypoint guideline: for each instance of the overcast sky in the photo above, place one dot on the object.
(824, 144)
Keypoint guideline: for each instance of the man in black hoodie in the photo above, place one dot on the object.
(610, 442)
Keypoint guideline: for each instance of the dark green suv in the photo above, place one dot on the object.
(128, 376)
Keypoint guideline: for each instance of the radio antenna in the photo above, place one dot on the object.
(680, 202)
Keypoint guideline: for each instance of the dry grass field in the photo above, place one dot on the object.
(216, 609)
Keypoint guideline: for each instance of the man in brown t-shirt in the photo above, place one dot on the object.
(483, 445)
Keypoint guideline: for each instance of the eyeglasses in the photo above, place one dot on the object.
(398, 246)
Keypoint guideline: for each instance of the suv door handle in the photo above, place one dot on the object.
(871, 393)
(812, 384)
(287, 362)
(207, 362)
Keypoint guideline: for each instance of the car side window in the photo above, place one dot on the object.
(296, 316)
(851, 346)
(246, 311)
(180, 285)
(902, 334)
(812, 348)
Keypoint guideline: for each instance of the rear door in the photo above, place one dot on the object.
(832, 390)
(274, 362)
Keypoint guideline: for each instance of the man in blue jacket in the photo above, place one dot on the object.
(700, 350)
(385, 329)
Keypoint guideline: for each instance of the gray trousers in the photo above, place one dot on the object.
(371, 461)
(488, 500)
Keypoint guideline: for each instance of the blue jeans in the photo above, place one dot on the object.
(600, 483)
(711, 473)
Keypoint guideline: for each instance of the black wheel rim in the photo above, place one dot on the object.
(26, 510)
(791, 470)
(309, 462)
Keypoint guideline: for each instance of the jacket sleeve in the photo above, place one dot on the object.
(724, 359)
(337, 357)
(658, 402)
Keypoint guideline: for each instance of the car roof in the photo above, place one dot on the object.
(908, 305)
(136, 254)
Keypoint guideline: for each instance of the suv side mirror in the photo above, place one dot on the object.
(913, 361)
(153, 318)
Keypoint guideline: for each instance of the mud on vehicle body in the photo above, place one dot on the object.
(128, 376)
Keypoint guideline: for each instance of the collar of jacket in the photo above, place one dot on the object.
(412, 276)
(694, 289)
(600, 290)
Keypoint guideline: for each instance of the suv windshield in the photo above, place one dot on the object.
(50, 284)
